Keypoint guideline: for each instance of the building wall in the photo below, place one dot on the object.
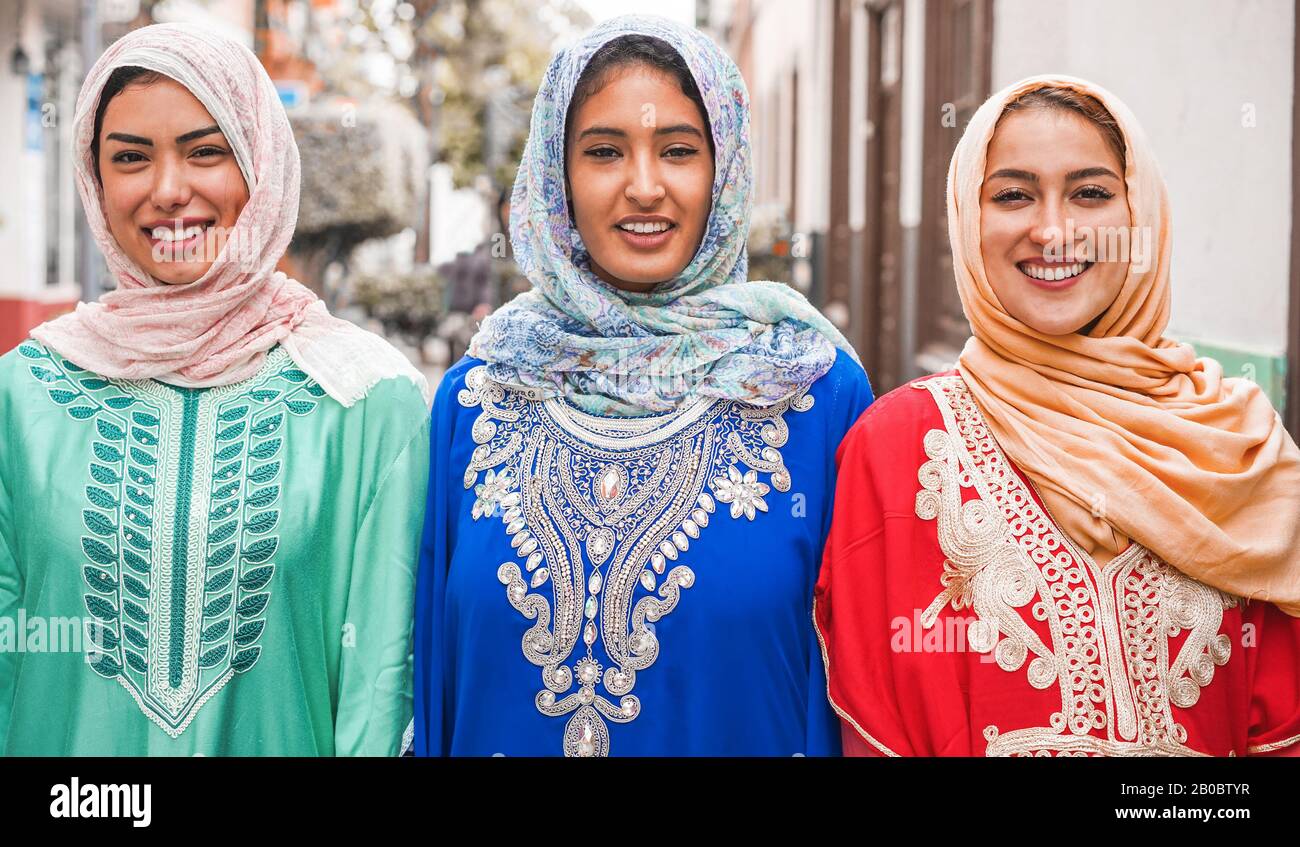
(789, 34)
(38, 206)
(231, 18)
(1194, 72)
(22, 226)
(1211, 83)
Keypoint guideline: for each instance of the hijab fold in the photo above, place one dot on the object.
(1127, 434)
(707, 331)
(216, 330)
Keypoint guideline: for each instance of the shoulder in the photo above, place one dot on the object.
(12, 365)
(898, 421)
(25, 377)
(840, 395)
(446, 398)
(845, 380)
(32, 369)
(398, 401)
(22, 358)
(910, 403)
(359, 364)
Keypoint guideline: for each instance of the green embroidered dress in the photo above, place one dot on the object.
(220, 571)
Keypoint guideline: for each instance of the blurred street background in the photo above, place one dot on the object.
(411, 114)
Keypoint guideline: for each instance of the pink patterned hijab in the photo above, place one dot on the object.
(217, 329)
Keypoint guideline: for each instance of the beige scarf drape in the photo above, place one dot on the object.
(1126, 433)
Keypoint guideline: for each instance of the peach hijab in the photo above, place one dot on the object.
(1126, 433)
(218, 329)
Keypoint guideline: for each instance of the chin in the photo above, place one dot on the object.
(639, 273)
(1052, 327)
(177, 276)
(643, 279)
(1061, 329)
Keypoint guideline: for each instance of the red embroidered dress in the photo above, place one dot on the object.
(958, 620)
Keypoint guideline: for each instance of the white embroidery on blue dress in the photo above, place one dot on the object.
(630, 494)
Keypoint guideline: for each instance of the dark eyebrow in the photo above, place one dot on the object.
(180, 139)
(686, 128)
(129, 139)
(197, 133)
(1072, 176)
(1012, 173)
(618, 133)
(1089, 173)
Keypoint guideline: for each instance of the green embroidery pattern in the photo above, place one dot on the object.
(182, 508)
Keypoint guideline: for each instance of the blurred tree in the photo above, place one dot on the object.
(362, 169)
(408, 305)
(468, 68)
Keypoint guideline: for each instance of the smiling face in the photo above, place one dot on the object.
(1050, 173)
(172, 188)
(640, 174)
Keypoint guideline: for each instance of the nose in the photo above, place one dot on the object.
(645, 188)
(1049, 223)
(171, 188)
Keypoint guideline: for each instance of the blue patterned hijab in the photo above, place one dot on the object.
(707, 332)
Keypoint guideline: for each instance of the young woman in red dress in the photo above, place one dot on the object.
(1084, 540)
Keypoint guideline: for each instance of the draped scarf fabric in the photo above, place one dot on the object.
(217, 329)
(707, 331)
(1126, 434)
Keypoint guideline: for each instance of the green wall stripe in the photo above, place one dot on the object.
(1266, 370)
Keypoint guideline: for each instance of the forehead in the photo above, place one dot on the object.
(162, 106)
(631, 93)
(1048, 141)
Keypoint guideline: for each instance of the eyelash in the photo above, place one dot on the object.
(685, 151)
(1098, 193)
(1093, 192)
(207, 151)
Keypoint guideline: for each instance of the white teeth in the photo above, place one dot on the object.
(1054, 274)
(658, 226)
(163, 233)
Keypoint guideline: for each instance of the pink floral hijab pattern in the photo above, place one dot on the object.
(217, 329)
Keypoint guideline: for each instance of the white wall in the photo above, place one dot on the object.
(1187, 68)
(459, 217)
(789, 34)
(13, 106)
(22, 210)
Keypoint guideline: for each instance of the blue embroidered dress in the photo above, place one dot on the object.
(626, 586)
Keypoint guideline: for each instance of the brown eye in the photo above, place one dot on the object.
(1010, 195)
(602, 152)
(1094, 192)
(122, 158)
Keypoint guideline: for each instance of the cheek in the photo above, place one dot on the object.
(225, 190)
(122, 197)
(999, 231)
(696, 192)
(1103, 221)
(1112, 282)
(1105, 224)
(586, 193)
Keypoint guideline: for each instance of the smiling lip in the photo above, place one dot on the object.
(184, 223)
(1053, 284)
(170, 223)
(646, 240)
